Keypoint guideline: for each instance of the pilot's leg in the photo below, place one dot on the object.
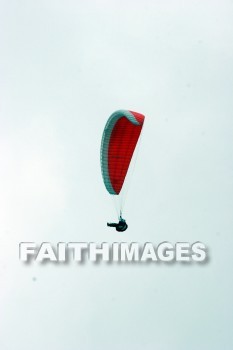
(112, 225)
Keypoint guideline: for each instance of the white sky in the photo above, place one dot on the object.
(65, 66)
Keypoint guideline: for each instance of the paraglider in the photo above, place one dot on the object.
(120, 137)
(120, 226)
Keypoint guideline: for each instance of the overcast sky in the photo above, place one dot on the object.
(65, 66)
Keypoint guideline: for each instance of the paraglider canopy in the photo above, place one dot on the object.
(119, 140)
